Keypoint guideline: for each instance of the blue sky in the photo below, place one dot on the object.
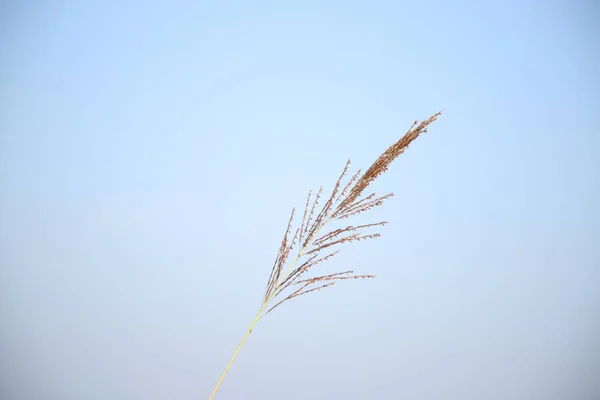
(150, 154)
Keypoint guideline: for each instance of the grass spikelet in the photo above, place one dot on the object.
(318, 245)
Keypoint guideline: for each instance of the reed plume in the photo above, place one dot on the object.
(317, 245)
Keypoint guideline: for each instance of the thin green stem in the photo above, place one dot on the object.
(237, 351)
(262, 308)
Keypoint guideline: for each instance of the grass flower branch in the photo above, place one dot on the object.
(316, 245)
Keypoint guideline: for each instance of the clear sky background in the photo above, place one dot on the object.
(150, 154)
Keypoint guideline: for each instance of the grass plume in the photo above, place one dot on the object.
(316, 244)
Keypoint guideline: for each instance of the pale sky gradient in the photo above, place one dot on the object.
(151, 151)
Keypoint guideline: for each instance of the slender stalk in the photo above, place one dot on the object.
(238, 350)
(258, 316)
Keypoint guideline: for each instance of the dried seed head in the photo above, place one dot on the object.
(382, 163)
(340, 205)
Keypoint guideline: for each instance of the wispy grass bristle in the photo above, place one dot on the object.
(318, 245)
(340, 205)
